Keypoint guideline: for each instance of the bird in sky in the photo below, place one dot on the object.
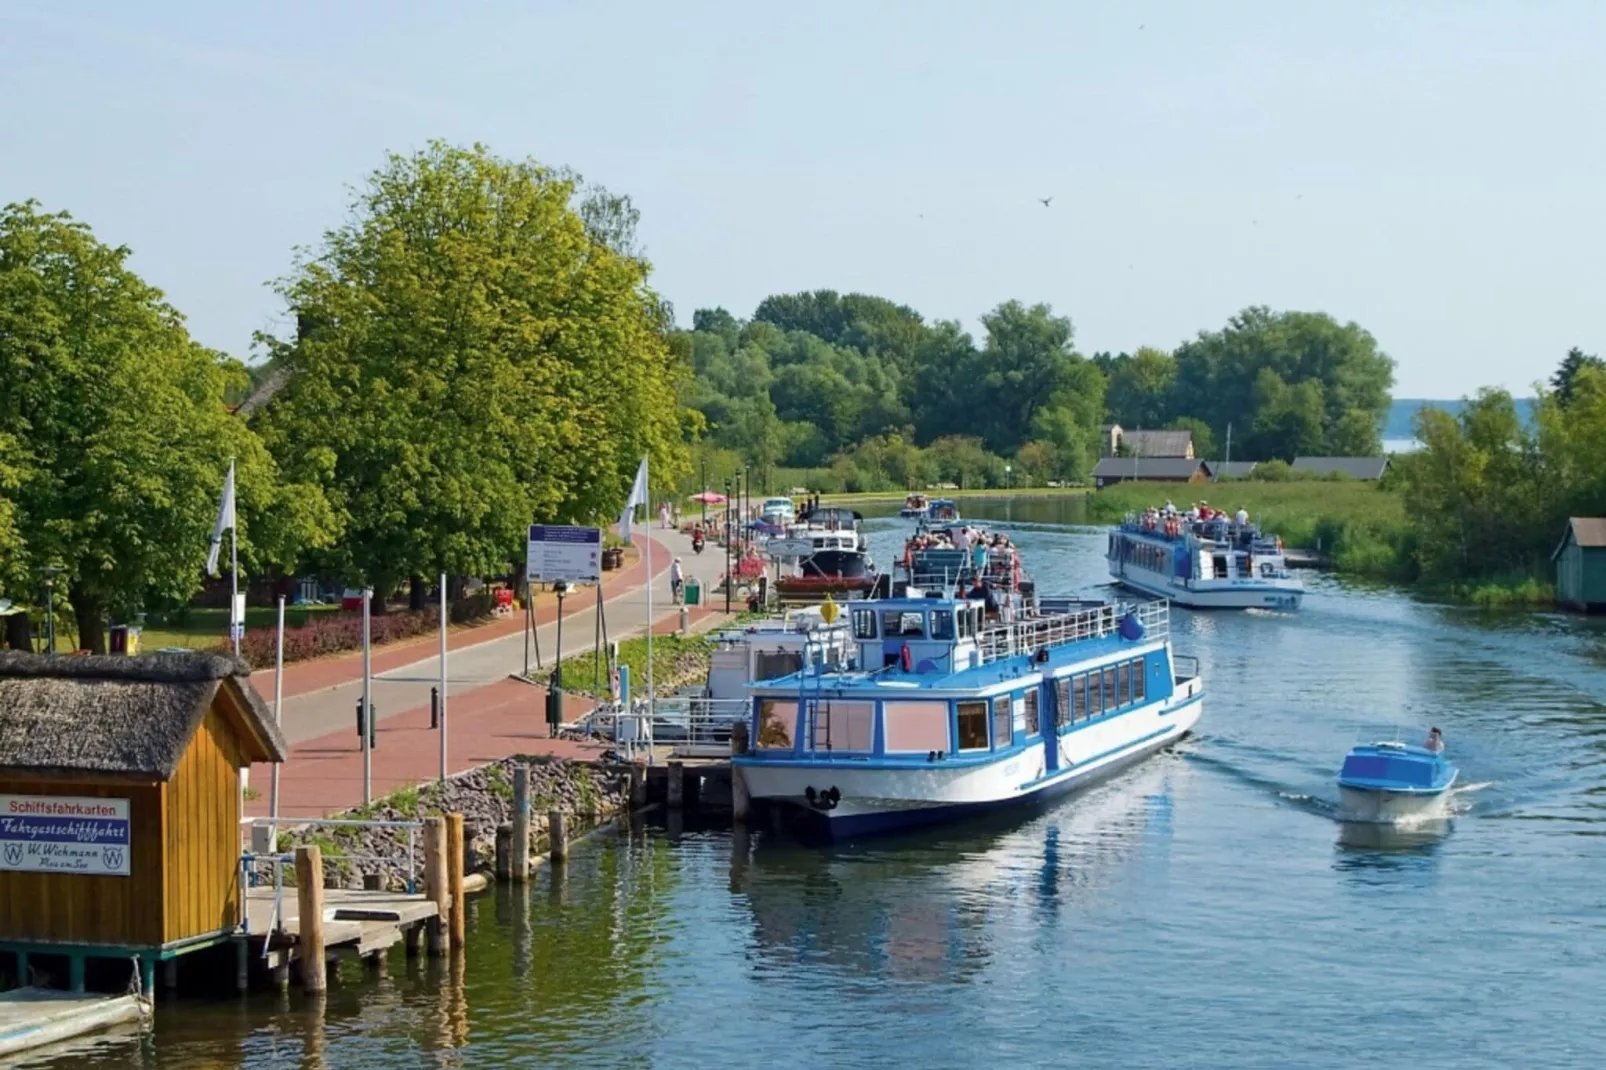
(1045, 201)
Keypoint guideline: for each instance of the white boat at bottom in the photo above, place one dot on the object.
(1038, 706)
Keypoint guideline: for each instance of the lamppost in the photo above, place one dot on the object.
(705, 494)
(730, 580)
(747, 510)
(1009, 479)
(50, 572)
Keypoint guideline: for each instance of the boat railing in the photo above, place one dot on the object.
(1057, 629)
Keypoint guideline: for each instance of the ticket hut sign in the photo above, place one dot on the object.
(62, 834)
(569, 554)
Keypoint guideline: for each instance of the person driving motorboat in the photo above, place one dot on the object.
(1435, 742)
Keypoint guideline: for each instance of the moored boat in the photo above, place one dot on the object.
(1388, 780)
(950, 710)
(1203, 564)
(914, 507)
(943, 511)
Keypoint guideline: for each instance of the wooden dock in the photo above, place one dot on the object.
(33, 1017)
(356, 924)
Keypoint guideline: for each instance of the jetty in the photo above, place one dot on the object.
(33, 1017)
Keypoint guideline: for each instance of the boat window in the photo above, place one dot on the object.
(1003, 732)
(1137, 680)
(973, 725)
(942, 625)
(1062, 705)
(864, 624)
(1095, 698)
(1079, 697)
(915, 727)
(1110, 699)
(903, 622)
(842, 726)
(1123, 683)
(775, 717)
(773, 664)
(1032, 727)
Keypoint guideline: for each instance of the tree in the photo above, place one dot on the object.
(1140, 388)
(1204, 439)
(1026, 365)
(476, 356)
(1566, 377)
(117, 430)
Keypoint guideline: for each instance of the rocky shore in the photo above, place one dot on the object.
(586, 792)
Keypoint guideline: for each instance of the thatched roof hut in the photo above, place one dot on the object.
(132, 716)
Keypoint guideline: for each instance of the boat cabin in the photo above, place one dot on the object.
(926, 633)
(778, 646)
(943, 511)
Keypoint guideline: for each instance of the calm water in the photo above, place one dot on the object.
(1204, 909)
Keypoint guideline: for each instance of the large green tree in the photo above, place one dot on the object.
(477, 349)
(117, 431)
(1141, 388)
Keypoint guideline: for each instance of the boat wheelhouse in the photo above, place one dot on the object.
(947, 712)
(914, 507)
(1203, 564)
(1388, 780)
(943, 511)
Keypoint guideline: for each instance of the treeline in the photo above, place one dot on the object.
(476, 348)
(865, 394)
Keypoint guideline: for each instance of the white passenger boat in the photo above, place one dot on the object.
(1211, 564)
(948, 712)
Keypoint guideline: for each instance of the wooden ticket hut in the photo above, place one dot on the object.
(120, 806)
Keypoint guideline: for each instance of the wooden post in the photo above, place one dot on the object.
(437, 880)
(170, 975)
(520, 862)
(504, 851)
(454, 871)
(676, 788)
(558, 835)
(740, 802)
(638, 788)
(309, 912)
(242, 966)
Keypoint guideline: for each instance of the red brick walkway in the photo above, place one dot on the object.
(305, 677)
(324, 775)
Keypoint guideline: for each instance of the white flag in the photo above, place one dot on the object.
(225, 522)
(638, 496)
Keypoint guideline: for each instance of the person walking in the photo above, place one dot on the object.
(677, 581)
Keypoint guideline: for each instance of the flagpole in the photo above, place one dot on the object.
(365, 720)
(443, 678)
(278, 717)
(651, 698)
(234, 588)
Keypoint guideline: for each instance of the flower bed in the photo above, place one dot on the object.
(338, 633)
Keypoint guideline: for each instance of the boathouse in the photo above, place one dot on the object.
(1113, 470)
(1580, 563)
(1366, 468)
(120, 808)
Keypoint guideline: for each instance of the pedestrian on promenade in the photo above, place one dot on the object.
(677, 581)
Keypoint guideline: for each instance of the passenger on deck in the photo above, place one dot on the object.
(1435, 742)
(1242, 517)
(962, 540)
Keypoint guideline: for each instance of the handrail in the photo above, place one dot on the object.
(1035, 633)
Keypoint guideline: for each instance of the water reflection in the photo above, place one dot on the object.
(1370, 848)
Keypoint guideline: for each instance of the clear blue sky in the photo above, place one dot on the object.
(1431, 170)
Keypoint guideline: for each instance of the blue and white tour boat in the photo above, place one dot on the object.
(958, 705)
(1388, 780)
(1203, 564)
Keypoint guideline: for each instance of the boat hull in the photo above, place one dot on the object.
(868, 800)
(1213, 594)
(1381, 806)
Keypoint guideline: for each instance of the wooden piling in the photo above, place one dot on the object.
(520, 861)
(309, 904)
(503, 866)
(454, 870)
(558, 835)
(638, 788)
(437, 881)
(676, 787)
(740, 803)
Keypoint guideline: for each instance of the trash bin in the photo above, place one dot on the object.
(693, 592)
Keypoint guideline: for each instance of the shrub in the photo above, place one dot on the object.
(337, 633)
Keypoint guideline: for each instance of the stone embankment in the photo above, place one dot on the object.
(585, 792)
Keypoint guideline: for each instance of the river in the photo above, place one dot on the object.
(1205, 908)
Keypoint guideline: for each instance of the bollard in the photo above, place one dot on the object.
(685, 621)
(437, 881)
(435, 707)
(676, 787)
(454, 879)
(519, 864)
(638, 787)
(504, 851)
(739, 738)
(557, 835)
(309, 912)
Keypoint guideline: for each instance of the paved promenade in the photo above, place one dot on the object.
(490, 716)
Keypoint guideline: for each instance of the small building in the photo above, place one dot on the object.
(120, 805)
(1231, 469)
(1353, 467)
(1113, 470)
(1109, 440)
(1580, 563)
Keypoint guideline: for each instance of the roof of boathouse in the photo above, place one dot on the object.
(1158, 468)
(1353, 467)
(1589, 532)
(123, 716)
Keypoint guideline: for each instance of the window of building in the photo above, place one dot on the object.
(973, 725)
(942, 624)
(775, 720)
(1032, 727)
(1138, 680)
(864, 624)
(1123, 683)
(915, 727)
(843, 726)
(1003, 733)
(1110, 701)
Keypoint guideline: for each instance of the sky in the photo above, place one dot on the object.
(1431, 170)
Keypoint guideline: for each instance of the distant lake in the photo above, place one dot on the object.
(1401, 445)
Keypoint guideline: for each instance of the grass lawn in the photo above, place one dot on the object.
(193, 628)
(899, 495)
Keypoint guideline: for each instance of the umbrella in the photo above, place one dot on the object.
(708, 497)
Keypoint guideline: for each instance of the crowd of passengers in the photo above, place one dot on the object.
(1166, 518)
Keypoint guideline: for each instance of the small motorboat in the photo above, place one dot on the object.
(914, 507)
(1390, 780)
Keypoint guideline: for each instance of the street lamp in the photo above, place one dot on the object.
(1009, 480)
(730, 580)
